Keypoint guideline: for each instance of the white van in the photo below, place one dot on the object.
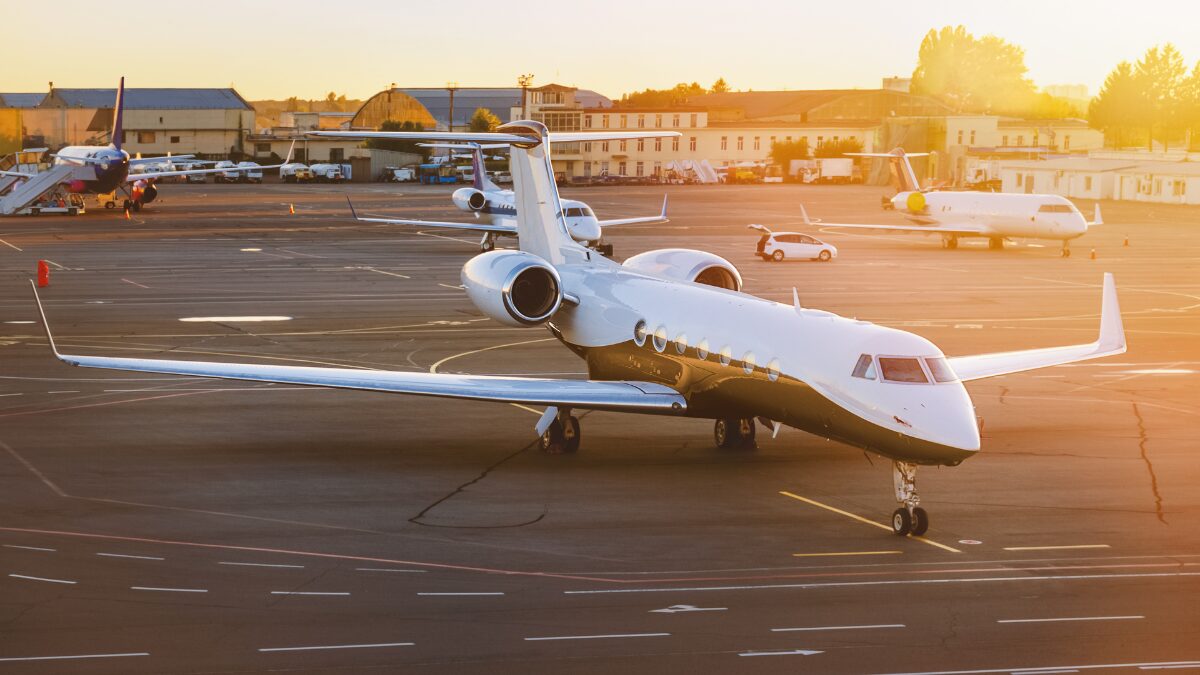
(250, 172)
(230, 176)
(327, 173)
(295, 172)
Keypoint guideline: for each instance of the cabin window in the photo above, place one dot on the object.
(726, 356)
(639, 333)
(748, 362)
(896, 369)
(681, 343)
(702, 350)
(865, 368)
(660, 339)
(773, 370)
(940, 369)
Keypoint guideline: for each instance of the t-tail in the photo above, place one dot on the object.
(901, 167)
(541, 229)
(118, 128)
(481, 181)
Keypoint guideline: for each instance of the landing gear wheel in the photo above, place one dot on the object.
(996, 244)
(901, 522)
(561, 439)
(488, 243)
(571, 435)
(920, 521)
(734, 433)
(777, 256)
(110, 205)
(1066, 253)
(824, 256)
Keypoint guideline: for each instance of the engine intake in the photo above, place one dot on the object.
(513, 287)
(685, 264)
(469, 199)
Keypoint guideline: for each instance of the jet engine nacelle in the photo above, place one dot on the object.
(469, 199)
(144, 192)
(688, 265)
(513, 287)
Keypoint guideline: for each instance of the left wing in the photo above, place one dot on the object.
(623, 396)
(135, 177)
(150, 160)
(964, 229)
(1110, 343)
(500, 228)
(661, 218)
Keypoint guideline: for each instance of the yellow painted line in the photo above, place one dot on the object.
(435, 366)
(525, 407)
(819, 555)
(1054, 548)
(860, 519)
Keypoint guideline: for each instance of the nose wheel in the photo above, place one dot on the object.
(909, 518)
(1066, 250)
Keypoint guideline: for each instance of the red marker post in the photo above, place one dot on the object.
(43, 271)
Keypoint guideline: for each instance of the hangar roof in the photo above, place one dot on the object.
(21, 100)
(148, 99)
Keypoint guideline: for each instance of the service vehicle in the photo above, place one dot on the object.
(295, 172)
(327, 173)
(780, 246)
(230, 175)
(250, 172)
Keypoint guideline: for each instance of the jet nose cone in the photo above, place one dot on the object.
(961, 432)
(585, 230)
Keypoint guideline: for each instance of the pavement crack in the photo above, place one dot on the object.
(416, 520)
(1144, 438)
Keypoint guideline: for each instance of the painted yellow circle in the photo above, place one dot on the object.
(916, 202)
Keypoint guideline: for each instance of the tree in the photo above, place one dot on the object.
(783, 152)
(1116, 108)
(1160, 77)
(483, 120)
(972, 74)
(1189, 105)
(662, 98)
(720, 86)
(398, 145)
(838, 148)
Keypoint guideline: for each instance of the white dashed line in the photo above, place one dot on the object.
(124, 555)
(305, 649)
(453, 594)
(79, 656)
(1072, 618)
(31, 548)
(168, 590)
(53, 581)
(787, 652)
(309, 593)
(816, 628)
(595, 637)
(246, 564)
(384, 569)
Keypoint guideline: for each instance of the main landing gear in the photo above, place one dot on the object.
(734, 433)
(488, 243)
(562, 436)
(950, 241)
(1066, 250)
(909, 518)
(996, 243)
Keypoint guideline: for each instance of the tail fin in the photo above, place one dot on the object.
(541, 228)
(900, 165)
(118, 130)
(479, 169)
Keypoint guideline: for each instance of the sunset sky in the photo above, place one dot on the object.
(305, 48)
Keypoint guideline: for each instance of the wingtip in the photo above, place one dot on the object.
(804, 214)
(351, 205)
(37, 298)
(1112, 326)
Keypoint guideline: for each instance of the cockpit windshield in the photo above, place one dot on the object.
(578, 212)
(901, 369)
(1056, 208)
(940, 370)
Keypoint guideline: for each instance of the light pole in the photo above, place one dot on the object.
(525, 81)
(451, 87)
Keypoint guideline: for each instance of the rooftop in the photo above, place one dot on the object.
(148, 99)
(20, 100)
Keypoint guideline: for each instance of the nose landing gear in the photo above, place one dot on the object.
(909, 518)
(1066, 250)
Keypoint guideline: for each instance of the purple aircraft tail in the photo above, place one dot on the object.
(481, 181)
(118, 129)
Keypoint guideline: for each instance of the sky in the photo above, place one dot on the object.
(304, 48)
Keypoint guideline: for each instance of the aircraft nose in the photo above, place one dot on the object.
(949, 418)
(584, 229)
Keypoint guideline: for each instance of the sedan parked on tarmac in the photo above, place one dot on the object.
(780, 246)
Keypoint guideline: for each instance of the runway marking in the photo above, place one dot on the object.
(306, 255)
(1072, 618)
(843, 553)
(438, 364)
(21, 322)
(864, 520)
(22, 394)
(341, 593)
(64, 391)
(31, 548)
(463, 593)
(135, 284)
(125, 555)
(251, 250)
(52, 581)
(57, 265)
(595, 637)
(77, 656)
(233, 319)
(11, 246)
(304, 649)
(384, 569)
(390, 274)
(168, 590)
(677, 609)
(819, 628)
(788, 652)
(246, 564)
(1054, 548)
(1059, 669)
(453, 288)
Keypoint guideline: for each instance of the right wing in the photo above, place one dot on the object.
(624, 396)
(962, 229)
(661, 218)
(499, 228)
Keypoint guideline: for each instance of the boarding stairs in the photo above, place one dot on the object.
(29, 191)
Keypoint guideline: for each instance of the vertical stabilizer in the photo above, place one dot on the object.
(118, 129)
(481, 181)
(540, 225)
(902, 168)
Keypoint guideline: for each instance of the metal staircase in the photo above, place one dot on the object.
(26, 193)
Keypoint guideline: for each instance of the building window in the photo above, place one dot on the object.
(639, 169)
(603, 167)
(972, 137)
(658, 121)
(1020, 141)
(675, 144)
(1035, 139)
(587, 147)
(772, 141)
(657, 168)
(337, 154)
(1178, 188)
(641, 121)
(740, 144)
(1067, 142)
(604, 146)
(658, 145)
(960, 136)
(675, 120)
(624, 121)
(587, 121)
(693, 120)
(1004, 141)
(692, 143)
(175, 139)
(622, 145)
(835, 139)
(724, 142)
(756, 143)
(604, 121)
(145, 137)
(621, 168)
(259, 148)
(1087, 183)
(641, 144)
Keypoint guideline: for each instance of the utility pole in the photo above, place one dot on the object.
(451, 87)
(524, 81)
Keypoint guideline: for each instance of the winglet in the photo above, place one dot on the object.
(351, 205)
(1112, 327)
(1096, 219)
(664, 211)
(291, 151)
(45, 323)
(804, 213)
(796, 299)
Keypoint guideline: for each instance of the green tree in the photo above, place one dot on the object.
(972, 74)
(662, 98)
(1116, 109)
(783, 152)
(838, 148)
(720, 86)
(399, 145)
(484, 120)
(1160, 75)
(1189, 106)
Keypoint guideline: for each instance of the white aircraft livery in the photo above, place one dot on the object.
(959, 214)
(495, 208)
(670, 332)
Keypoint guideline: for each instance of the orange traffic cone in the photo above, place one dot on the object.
(1093, 254)
(292, 209)
(1126, 240)
(43, 274)
(127, 217)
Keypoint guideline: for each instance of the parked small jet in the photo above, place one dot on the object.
(110, 165)
(670, 332)
(495, 208)
(995, 216)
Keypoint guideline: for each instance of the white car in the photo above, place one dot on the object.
(780, 246)
(250, 172)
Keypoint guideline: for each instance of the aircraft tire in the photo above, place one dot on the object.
(920, 523)
(901, 522)
(725, 433)
(552, 440)
(571, 436)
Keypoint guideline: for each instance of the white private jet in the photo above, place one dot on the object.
(669, 332)
(495, 208)
(995, 216)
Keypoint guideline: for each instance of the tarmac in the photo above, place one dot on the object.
(170, 525)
